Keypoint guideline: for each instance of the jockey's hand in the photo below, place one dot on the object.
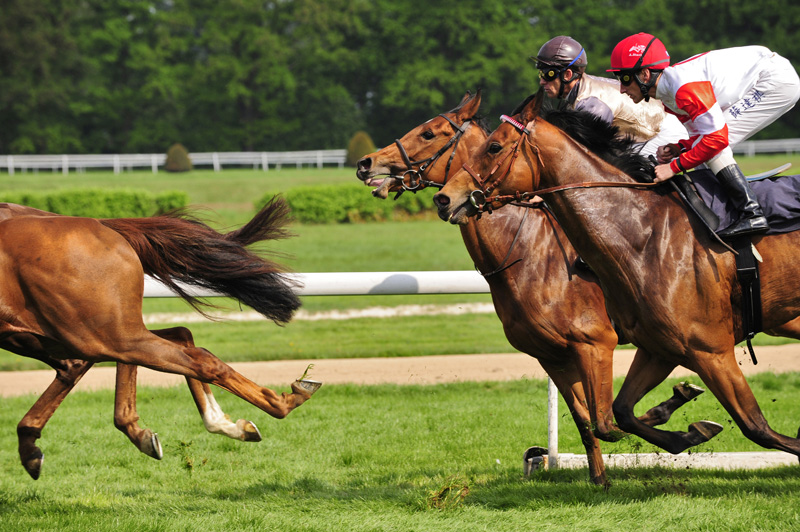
(663, 172)
(666, 153)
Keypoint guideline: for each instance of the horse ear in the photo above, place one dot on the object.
(532, 108)
(469, 106)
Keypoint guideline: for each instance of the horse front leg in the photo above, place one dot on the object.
(215, 419)
(29, 429)
(567, 380)
(647, 372)
(126, 418)
(682, 393)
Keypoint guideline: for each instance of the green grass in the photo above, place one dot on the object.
(374, 458)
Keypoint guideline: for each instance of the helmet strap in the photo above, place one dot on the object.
(645, 87)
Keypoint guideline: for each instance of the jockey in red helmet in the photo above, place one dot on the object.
(562, 64)
(722, 97)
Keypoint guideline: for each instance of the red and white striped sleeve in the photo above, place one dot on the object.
(698, 101)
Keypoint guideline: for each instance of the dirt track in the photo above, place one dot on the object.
(411, 370)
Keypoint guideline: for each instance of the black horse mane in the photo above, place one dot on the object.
(604, 140)
(601, 138)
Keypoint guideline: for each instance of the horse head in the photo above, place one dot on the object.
(496, 174)
(426, 155)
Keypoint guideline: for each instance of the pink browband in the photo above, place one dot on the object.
(506, 118)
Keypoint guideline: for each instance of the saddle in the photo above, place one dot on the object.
(779, 197)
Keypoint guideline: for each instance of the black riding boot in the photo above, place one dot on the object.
(751, 217)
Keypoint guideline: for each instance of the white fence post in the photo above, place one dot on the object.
(552, 425)
(64, 164)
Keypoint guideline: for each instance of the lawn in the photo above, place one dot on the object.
(378, 458)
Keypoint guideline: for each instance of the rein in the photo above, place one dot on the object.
(481, 200)
(416, 180)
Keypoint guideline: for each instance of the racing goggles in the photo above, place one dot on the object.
(625, 77)
(548, 74)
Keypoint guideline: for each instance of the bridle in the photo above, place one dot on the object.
(415, 177)
(480, 198)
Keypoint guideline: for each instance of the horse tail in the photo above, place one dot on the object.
(179, 249)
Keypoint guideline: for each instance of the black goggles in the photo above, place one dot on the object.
(625, 77)
(549, 74)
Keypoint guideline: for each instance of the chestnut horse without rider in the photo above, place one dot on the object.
(72, 296)
(550, 309)
(671, 288)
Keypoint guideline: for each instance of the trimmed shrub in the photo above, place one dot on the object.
(178, 159)
(360, 145)
(350, 203)
(171, 200)
(100, 203)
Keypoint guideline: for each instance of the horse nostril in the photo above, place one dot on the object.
(364, 164)
(441, 200)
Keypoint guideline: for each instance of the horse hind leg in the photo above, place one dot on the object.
(646, 372)
(198, 363)
(214, 418)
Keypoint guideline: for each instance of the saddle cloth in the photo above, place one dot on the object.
(779, 198)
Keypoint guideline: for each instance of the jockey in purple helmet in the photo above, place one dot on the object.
(562, 64)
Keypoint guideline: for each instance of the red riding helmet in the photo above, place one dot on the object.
(639, 51)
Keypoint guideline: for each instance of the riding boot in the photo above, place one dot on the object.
(751, 217)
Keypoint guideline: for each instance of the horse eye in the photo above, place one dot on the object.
(428, 134)
(495, 147)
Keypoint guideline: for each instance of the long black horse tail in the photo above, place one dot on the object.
(178, 249)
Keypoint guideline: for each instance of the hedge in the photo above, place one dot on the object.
(351, 203)
(100, 203)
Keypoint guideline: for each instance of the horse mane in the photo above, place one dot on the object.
(600, 137)
(604, 140)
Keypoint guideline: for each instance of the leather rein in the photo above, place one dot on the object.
(482, 199)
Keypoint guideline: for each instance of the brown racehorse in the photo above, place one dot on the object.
(71, 292)
(667, 283)
(550, 309)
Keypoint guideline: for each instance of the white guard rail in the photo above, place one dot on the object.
(393, 283)
(129, 161)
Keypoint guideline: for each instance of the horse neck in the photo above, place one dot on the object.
(607, 225)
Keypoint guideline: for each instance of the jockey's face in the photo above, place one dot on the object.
(552, 85)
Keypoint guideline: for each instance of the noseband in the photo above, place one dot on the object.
(478, 198)
(415, 176)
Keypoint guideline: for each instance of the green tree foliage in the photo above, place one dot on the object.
(82, 76)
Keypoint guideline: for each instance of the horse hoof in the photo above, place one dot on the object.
(687, 391)
(249, 431)
(33, 464)
(702, 431)
(308, 385)
(151, 446)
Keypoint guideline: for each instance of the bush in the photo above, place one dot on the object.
(178, 159)
(100, 203)
(350, 203)
(360, 145)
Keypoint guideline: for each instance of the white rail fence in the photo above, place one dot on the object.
(154, 161)
(260, 159)
(392, 283)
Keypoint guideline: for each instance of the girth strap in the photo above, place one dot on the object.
(747, 272)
